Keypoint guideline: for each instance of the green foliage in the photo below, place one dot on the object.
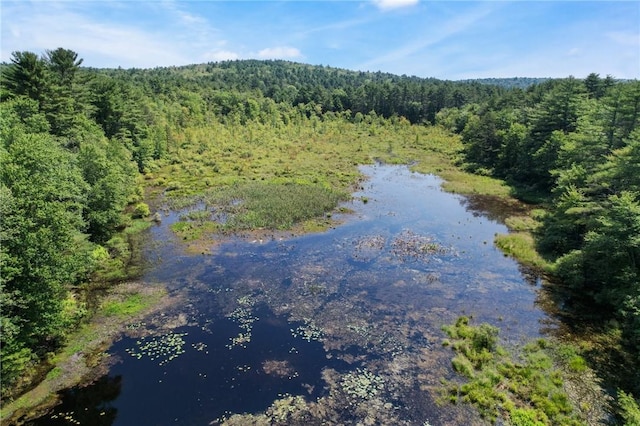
(629, 409)
(525, 417)
(276, 143)
(62, 185)
(130, 305)
(141, 210)
(271, 206)
(527, 391)
(27, 76)
(43, 249)
(522, 223)
(577, 141)
(521, 246)
(107, 167)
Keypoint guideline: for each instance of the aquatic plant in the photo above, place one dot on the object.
(136, 325)
(411, 246)
(244, 317)
(629, 408)
(256, 205)
(362, 384)
(521, 246)
(366, 248)
(200, 347)
(163, 348)
(67, 417)
(131, 304)
(141, 210)
(279, 368)
(308, 331)
(283, 408)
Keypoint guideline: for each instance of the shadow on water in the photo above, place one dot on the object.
(349, 319)
(88, 405)
(208, 379)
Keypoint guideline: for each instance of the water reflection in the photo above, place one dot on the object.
(89, 405)
(337, 327)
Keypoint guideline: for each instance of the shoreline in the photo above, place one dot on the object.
(81, 359)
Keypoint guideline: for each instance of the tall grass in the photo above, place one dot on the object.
(521, 246)
(271, 205)
(520, 390)
(259, 176)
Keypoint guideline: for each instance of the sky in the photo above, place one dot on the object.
(450, 40)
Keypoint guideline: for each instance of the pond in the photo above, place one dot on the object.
(338, 327)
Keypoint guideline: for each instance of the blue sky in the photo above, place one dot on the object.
(442, 39)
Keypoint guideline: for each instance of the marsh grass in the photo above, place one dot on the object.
(129, 305)
(327, 155)
(521, 246)
(257, 176)
(281, 177)
(279, 206)
(522, 223)
(527, 389)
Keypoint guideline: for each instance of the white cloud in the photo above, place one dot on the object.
(110, 43)
(280, 52)
(625, 38)
(107, 45)
(220, 55)
(394, 4)
(433, 36)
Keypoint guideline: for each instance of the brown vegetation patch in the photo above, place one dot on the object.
(278, 368)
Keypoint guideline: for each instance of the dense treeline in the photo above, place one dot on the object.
(63, 190)
(576, 143)
(324, 88)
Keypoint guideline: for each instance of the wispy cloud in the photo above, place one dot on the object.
(106, 42)
(428, 39)
(625, 38)
(432, 36)
(394, 4)
(280, 52)
(163, 34)
(220, 55)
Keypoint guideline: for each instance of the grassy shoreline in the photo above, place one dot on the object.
(84, 349)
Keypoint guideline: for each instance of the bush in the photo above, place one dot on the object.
(629, 409)
(141, 210)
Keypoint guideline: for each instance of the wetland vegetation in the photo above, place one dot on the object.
(256, 163)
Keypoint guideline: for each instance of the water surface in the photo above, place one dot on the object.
(342, 326)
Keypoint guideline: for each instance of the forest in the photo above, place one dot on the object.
(83, 148)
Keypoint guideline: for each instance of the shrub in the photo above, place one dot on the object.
(141, 210)
(629, 409)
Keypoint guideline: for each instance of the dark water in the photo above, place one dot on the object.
(317, 316)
